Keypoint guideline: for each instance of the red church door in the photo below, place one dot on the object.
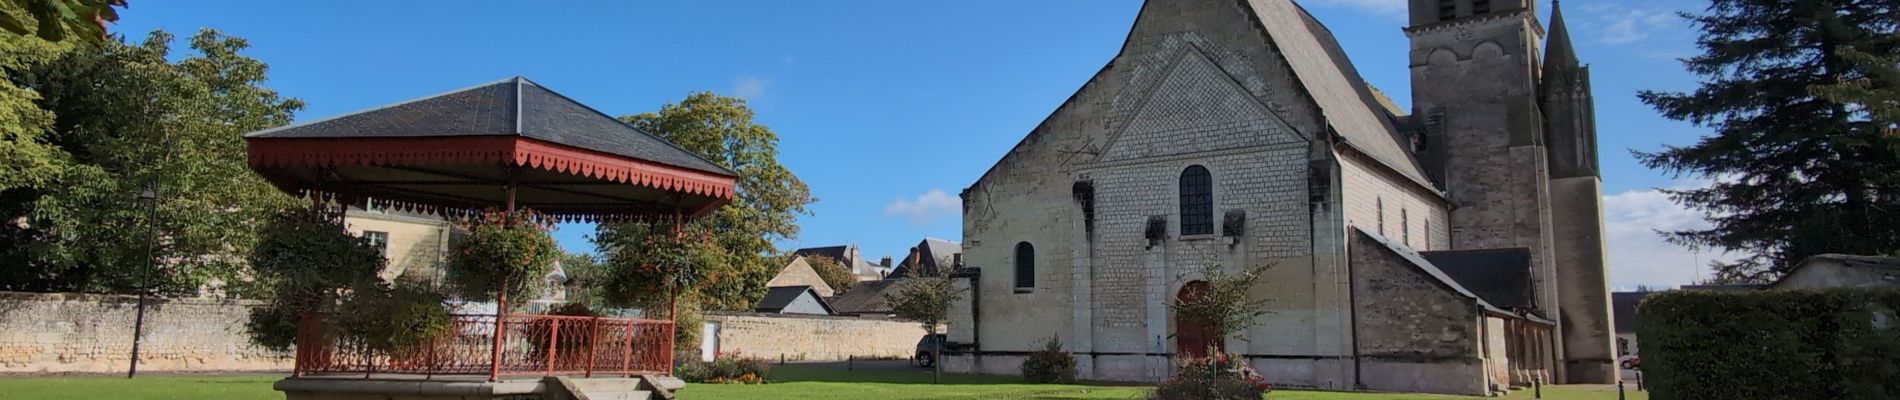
(1194, 338)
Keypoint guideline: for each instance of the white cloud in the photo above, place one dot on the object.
(1631, 26)
(1380, 7)
(749, 87)
(926, 208)
(1638, 255)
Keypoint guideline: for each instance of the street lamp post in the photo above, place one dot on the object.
(150, 195)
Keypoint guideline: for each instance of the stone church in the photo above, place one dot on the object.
(1452, 247)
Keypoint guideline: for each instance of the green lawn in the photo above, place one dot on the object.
(794, 383)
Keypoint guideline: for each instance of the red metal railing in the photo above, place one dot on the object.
(529, 345)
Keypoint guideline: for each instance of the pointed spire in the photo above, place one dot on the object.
(1560, 56)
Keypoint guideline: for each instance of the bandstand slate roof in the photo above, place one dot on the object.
(514, 106)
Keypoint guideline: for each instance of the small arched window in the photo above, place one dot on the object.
(1025, 265)
(1197, 201)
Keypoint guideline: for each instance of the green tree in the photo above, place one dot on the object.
(661, 268)
(1799, 163)
(125, 117)
(584, 272)
(56, 20)
(834, 273)
(503, 250)
(766, 202)
(1228, 304)
(925, 298)
(306, 259)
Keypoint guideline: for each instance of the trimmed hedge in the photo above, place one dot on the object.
(1837, 344)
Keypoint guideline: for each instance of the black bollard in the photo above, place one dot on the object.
(1537, 388)
(1640, 387)
(1619, 390)
(850, 363)
(781, 359)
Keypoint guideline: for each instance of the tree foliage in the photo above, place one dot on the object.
(925, 299)
(123, 117)
(511, 248)
(834, 273)
(57, 20)
(650, 264)
(766, 202)
(1803, 160)
(306, 259)
(1228, 305)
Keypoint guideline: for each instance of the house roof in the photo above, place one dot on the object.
(1500, 276)
(1330, 78)
(935, 255)
(509, 107)
(1623, 309)
(867, 297)
(777, 298)
(835, 252)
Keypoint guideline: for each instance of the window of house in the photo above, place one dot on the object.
(1380, 204)
(1197, 201)
(1480, 6)
(1447, 9)
(1405, 226)
(1025, 265)
(379, 240)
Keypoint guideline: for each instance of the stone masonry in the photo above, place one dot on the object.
(82, 333)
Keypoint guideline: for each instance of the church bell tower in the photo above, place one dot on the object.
(1483, 106)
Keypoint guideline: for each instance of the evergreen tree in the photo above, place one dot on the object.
(1802, 161)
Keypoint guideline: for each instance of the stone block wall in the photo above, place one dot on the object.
(815, 338)
(85, 333)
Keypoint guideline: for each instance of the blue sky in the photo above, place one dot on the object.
(888, 109)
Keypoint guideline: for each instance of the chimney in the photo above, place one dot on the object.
(956, 261)
(886, 262)
(914, 260)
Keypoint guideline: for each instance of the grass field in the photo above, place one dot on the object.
(793, 383)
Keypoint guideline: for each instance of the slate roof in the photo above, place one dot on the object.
(1330, 78)
(1418, 261)
(866, 298)
(777, 298)
(835, 252)
(934, 255)
(513, 106)
(1623, 309)
(1500, 276)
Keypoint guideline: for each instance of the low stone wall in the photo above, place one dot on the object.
(815, 338)
(84, 333)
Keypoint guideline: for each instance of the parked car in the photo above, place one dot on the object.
(1631, 362)
(927, 349)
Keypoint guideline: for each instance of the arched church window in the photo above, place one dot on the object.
(1025, 265)
(1405, 226)
(1379, 204)
(1197, 201)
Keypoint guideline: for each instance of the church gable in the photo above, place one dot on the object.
(1196, 107)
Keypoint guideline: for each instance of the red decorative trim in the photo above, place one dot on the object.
(488, 149)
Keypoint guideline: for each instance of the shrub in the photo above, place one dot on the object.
(1219, 376)
(725, 368)
(392, 320)
(1829, 344)
(1050, 365)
